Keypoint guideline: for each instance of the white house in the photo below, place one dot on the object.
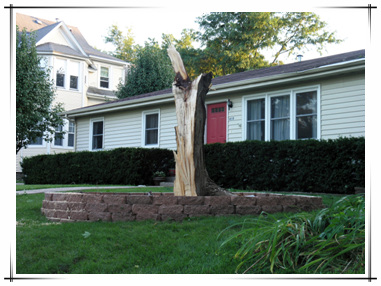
(321, 98)
(82, 75)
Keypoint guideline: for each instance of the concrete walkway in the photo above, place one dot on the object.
(66, 189)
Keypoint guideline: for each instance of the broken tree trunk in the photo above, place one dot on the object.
(192, 179)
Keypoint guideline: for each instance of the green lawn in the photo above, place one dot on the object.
(193, 246)
(34, 187)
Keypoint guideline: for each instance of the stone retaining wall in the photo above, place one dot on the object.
(70, 207)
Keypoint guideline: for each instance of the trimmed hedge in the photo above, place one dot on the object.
(325, 166)
(124, 166)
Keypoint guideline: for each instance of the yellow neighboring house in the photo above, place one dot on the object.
(82, 75)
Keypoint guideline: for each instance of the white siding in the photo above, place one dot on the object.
(93, 79)
(82, 134)
(117, 76)
(167, 123)
(343, 107)
(234, 124)
(124, 129)
(58, 38)
(69, 99)
(342, 114)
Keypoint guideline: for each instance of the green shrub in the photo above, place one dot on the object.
(328, 241)
(325, 166)
(127, 166)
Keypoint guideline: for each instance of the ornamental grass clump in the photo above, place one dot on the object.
(331, 240)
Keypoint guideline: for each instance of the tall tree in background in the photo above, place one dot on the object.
(151, 71)
(185, 46)
(35, 115)
(226, 43)
(125, 48)
(237, 40)
(233, 40)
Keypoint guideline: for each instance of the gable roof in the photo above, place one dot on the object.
(43, 27)
(60, 49)
(261, 76)
(292, 68)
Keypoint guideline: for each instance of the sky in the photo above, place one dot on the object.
(152, 19)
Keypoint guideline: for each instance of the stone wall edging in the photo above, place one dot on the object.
(71, 207)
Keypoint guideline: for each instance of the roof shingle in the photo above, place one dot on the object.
(42, 27)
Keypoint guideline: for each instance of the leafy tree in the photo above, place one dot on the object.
(124, 45)
(299, 31)
(230, 42)
(185, 46)
(35, 115)
(188, 37)
(236, 40)
(150, 72)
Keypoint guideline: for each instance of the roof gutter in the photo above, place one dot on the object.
(225, 88)
(71, 114)
(96, 58)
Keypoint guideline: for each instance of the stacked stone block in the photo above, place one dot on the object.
(70, 207)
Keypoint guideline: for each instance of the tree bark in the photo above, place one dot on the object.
(192, 178)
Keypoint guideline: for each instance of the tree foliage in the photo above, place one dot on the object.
(150, 72)
(237, 40)
(231, 42)
(124, 44)
(35, 115)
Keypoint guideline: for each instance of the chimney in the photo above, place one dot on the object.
(58, 19)
(299, 57)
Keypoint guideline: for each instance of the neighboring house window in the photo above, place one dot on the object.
(293, 115)
(104, 79)
(36, 142)
(74, 82)
(58, 136)
(306, 115)
(151, 128)
(71, 132)
(74, 72)
(256, 119)
(61, 71)
(60, 78)
(280, 118)
(97, 135)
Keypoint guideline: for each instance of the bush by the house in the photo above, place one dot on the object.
(127, 166)
(328, 166)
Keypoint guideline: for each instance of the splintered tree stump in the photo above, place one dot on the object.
(192, 178)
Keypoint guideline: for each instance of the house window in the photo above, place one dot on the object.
(306, 115)
(73, 82)
(74, 72)
(37, 141)
(71, 132)
(104, 79)
(292, 115)
(151, 129)
(61, 71)
(280, 118)
(58, 136)
(60, 78)
(97, 135)
(256, 120)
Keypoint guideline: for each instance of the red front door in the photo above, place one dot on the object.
(216, 123)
